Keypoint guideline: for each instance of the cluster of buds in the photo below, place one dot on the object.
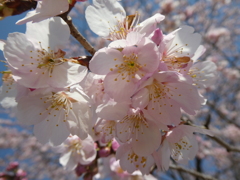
(13, 172)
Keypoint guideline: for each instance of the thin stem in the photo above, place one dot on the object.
(192, 172)
(76, 34)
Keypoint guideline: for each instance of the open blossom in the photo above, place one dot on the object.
(36, 58)
(143, 134)
(124, 69)
(108, 19)
(45, 9)
(55, 114)
(164, 94)
(180, 144)
(75, 150)
(130, 161)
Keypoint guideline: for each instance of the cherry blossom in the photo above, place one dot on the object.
(36, 58)
(124, 69)
(179, 46)
(122, 112)
(180, 143)
(166, 92)
(130, 161)
(108, 19)
(55, 114)
(74, 151)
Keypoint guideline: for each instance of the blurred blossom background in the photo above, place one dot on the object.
(218, 23)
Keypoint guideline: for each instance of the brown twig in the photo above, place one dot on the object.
(76, 34)
(225, 145)
(216, 139)
(192, 172)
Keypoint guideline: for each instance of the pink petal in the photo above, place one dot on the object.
(105, 60)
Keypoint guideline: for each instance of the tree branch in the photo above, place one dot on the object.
(225, 145)
(76, 34)
(192, 172)
(216, 139)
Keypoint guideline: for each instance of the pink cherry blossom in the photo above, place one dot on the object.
(124, 69)
(144, 135)
(165, 94)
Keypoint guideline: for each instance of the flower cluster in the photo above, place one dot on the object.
(134, 92)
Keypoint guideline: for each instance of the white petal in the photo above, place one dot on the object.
(149, 25)
(45, 9)
(104, 15)
(68, 161)
(67, 74)
(53, 33)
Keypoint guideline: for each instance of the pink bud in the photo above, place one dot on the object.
(115, 145)
(12, 166)
(104, 152)
(157, 36)
(80, 169)
(21, 173)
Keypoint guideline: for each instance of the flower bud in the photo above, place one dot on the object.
(80, 169)
(13, 166)
(104, 152)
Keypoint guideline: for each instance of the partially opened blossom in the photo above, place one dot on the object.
(36, 58)
(124, 69)
(108, 19)
(105, 130)
(75, 150)
(45, 9)
(55, 114)
(180, 144)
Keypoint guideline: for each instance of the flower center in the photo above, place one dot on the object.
(157, 91)
(76, 146)
(137, 160)
(123, 27)
(46, 59)
(172, 59)
(129, 68)
(179, 147)
(58, 102)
